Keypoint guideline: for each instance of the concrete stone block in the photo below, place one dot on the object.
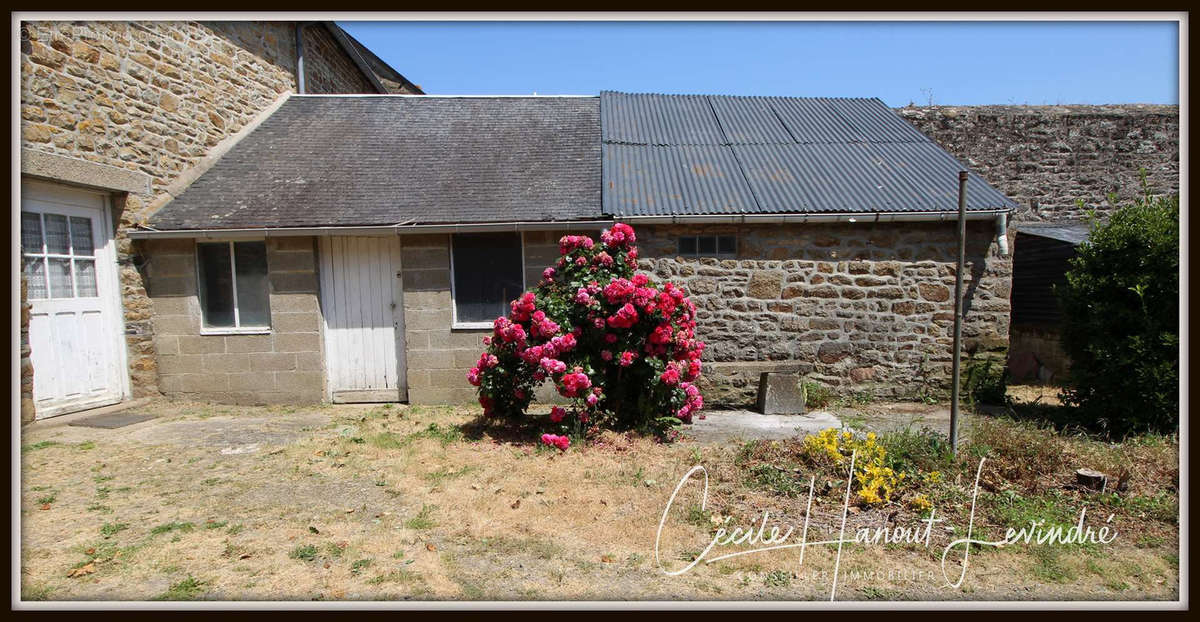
(299, 381)
(202, 344)
(175, 324)
(249, 343)
(176, 364)
(780, 393)
(227, 363)
(295, 322)
(426, 280)
(425, 258)
(294, 303)
(427, 319)
(298, 342)
(293, 282)
(292, 262)
(272, 361)
(310, 361)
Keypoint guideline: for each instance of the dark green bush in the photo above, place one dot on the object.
(1121, 320)
(986, 382)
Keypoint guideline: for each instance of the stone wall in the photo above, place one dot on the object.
(284, 366)
(153, 99)
(327, 69)
(1048, 157)
(1036, 354)
(862, 307)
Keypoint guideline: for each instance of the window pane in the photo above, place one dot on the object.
(254, 308)
(31, 232)
(687, 246)
(35, 275)
(707, 245)
(60, 279)
(487, 274)
(85, 277)
(81, 236)
(57, 238)
(727, 245)
(216, 284)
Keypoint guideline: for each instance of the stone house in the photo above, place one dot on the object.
(117, 118)
(356, 248)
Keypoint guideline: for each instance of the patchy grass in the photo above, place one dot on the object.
(304, 552)
(470, 509)
(109, 530)
(38, 445)
(172, 526)
(187, 589)
(423, 519)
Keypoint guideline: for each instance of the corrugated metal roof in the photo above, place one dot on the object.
(773, 155)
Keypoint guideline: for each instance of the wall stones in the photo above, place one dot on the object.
(868, 307)
(1049, 157)
(156, 97)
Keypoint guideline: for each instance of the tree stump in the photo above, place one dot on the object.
(1094, 480)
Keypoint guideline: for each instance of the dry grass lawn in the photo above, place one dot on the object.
(392, 503)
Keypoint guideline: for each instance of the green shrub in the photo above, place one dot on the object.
(1121, 319)
(817, 395)
(986, 382)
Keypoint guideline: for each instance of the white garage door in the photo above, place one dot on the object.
(75, 335)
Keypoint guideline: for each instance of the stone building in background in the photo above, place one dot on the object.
(118, 118)
(1059, 163)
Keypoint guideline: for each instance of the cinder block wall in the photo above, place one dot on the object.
(284, 366)
(438, 355)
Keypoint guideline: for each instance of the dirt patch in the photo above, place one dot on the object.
(431, 503)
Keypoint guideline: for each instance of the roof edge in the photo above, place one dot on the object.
(354, 47)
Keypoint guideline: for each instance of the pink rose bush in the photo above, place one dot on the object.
(619, 345)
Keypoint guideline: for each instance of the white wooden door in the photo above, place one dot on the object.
(364, 318)
(75, 335)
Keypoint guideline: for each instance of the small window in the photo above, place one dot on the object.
(487, 274)
(233, 285)
(708, 246)
(59, 256)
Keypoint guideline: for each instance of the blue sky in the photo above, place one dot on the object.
(949, 63)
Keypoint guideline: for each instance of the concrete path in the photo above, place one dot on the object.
(719, 426)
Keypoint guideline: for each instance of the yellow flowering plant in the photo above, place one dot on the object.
(876, 481)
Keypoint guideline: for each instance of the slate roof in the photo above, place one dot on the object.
(383, 160)
(715, 154)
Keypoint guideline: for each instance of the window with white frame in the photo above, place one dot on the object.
(59, 256)
(487, 273)
(708, 246)
(234, 292)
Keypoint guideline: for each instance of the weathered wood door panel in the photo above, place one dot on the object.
(75, 339)
(364, 318)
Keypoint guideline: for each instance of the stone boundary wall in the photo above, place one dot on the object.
(861, 307)
(1048, 157)
(285, 366)
(153, 99)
